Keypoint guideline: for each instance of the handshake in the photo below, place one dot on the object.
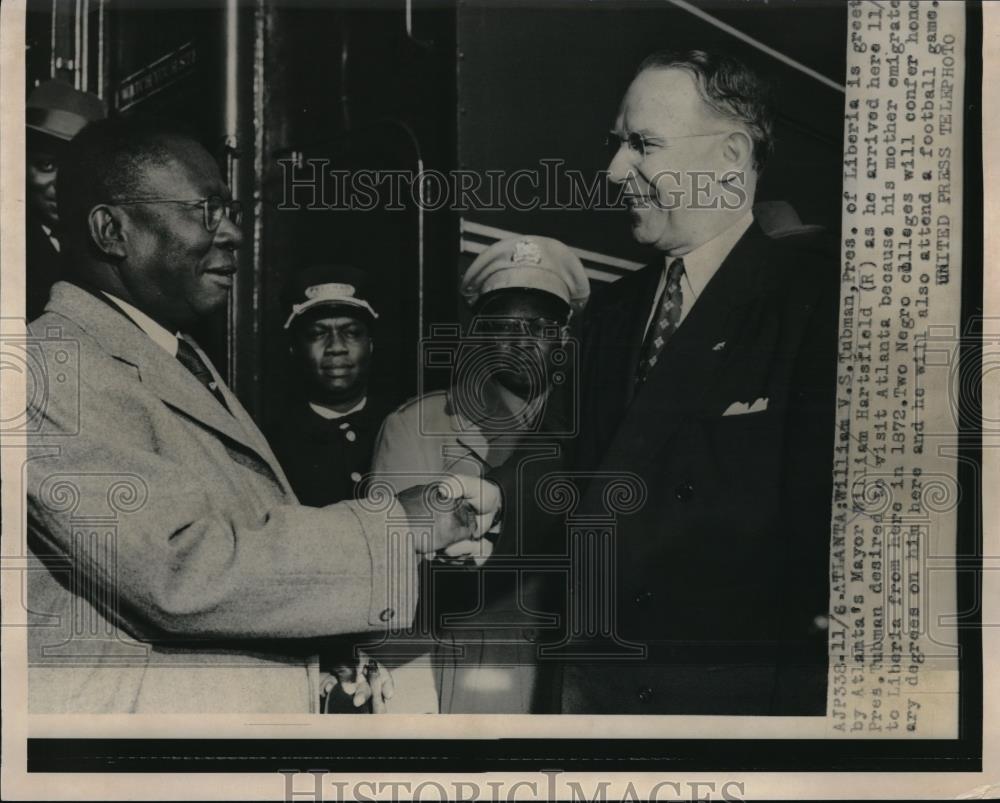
(453, 514)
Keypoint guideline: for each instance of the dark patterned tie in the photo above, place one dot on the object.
(665, 322)
(188, 357)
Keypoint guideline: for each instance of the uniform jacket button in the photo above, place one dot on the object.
(645, 694)
(685, 491)
(387, 614)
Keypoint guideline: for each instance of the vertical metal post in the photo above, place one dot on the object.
(231, 149)
(52, 43)
(100, 48)
(77, 44)
(84, 54)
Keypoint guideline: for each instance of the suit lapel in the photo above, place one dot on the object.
(620, 332)
(692, 359)
(158, 371)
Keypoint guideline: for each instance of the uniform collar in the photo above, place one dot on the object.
(330, 414)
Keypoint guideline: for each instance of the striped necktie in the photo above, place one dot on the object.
(189, 358)
(665, 322)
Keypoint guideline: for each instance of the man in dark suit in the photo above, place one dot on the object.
(54, 113)
(710, 379)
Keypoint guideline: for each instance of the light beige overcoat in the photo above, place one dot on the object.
(172, 569)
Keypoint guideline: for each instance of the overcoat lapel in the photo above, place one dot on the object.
(161, 373)
(252, 434)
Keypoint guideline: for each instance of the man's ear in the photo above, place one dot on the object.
(106, 230)
(737, 150)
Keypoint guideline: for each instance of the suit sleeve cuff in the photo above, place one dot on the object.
(394, 568)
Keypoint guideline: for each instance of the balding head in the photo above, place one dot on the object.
(108, 160)
(149, 219)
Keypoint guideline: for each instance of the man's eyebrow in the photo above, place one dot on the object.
(645, 133)
(216, 190)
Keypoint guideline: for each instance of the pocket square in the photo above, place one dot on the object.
(743, 408)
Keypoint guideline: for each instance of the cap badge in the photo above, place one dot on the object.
(330, 290)
(526, 253)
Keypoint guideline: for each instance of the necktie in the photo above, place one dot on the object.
(188, 357)
(665, 322)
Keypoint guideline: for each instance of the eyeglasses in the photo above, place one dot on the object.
(637, 143)
(213, 208)
(539, 328)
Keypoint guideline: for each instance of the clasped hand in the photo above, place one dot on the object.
(452, 515)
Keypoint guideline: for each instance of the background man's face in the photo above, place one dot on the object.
(663, 105)
(520, 359)
(175, 269)
(40, 176)
(334, 351)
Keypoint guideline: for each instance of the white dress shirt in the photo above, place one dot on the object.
(700, 265)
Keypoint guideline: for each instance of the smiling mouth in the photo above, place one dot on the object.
(637, 206)
(223, 275)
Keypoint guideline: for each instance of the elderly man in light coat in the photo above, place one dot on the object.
(173, 570)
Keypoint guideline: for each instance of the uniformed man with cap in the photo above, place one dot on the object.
(326, 431)
(502, 404)
(325, 436)
(55, 113)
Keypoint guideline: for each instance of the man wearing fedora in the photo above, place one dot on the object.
(55, 113)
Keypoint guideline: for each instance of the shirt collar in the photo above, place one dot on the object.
(161, 336)
(701, 264)
(49, 232)
(330, 414)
